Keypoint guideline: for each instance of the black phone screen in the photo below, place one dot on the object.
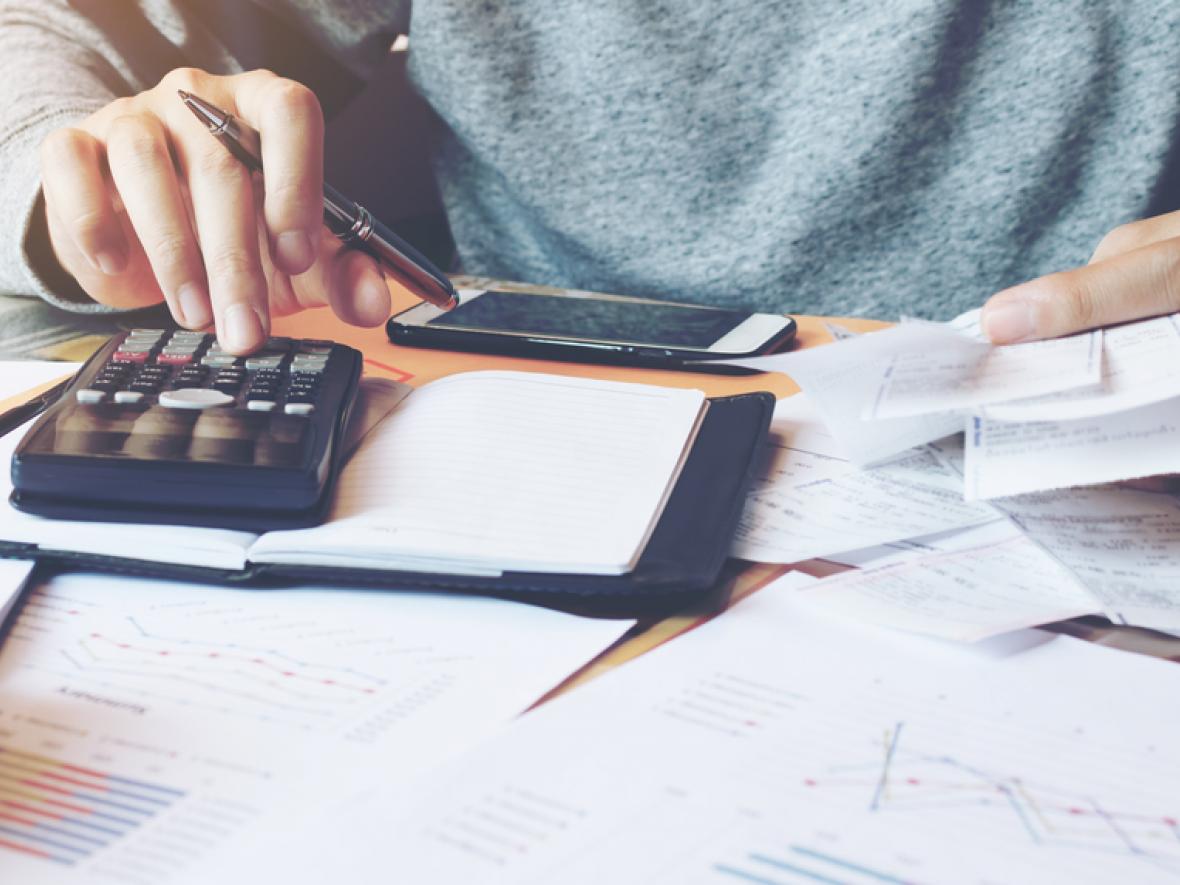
(592, 319)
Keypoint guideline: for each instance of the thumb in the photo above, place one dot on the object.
(1141, 283)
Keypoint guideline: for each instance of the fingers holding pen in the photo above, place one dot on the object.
(347, 280)
(290, 122)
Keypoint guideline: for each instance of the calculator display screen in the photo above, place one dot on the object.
(593, 319)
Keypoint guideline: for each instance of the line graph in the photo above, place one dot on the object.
(223, 660)
(909, 780)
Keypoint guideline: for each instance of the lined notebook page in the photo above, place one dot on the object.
(491, 471)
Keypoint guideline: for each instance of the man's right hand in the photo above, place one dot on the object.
(144, 205)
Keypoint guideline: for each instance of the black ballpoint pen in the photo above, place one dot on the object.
(351, 222)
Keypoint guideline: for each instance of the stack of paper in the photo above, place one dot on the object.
(931, 562)
(1097, 407)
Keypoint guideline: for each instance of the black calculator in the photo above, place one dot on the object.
(164, 426)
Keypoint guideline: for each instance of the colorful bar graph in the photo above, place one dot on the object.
(64, 813)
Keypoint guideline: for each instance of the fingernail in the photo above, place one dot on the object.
(194, 307)
(293, 249)
(1009, 321)
(241, 328)
(109, 262)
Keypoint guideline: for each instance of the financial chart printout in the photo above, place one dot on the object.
(779, 745)
(144, 724)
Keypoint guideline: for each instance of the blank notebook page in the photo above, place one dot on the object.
(497, 471)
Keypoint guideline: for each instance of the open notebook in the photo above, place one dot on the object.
(477, 474)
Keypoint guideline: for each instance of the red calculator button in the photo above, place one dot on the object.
(174, 359)
(130, 356)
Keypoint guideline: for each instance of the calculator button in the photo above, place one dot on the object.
(194, 398)
(145, 332)
(180, 348)
(264, 362)
(218, 360)
(174, 359)
(145, 387)
(128, 397)
(261, 405)
(194, 337)
(89, 396)
(131, 356)
(279, 345)
(299, 408)
(301, 360)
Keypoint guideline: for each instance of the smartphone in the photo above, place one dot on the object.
(590, 328)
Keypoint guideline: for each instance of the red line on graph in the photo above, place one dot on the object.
(101, 788)
(28, 809)
(41, 785)
(15, 818)
(16, 846)
(247, 658)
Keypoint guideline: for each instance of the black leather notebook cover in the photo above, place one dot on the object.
(682, 561)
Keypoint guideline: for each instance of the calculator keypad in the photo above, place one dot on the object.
(149, 364)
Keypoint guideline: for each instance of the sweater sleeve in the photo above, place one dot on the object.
(62, 60)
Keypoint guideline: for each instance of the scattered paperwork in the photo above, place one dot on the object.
(776, 744)
(912, 494)
(1006, 458)
(1122, 544)
(1141, 366)
(172, 718)
(1002, 582)
(975, 373)
(841, 380)
(1092, 408)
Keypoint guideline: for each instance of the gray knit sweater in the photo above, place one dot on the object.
(863, 157)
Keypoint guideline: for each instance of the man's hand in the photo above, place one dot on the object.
(1134, 273)
(144, 205)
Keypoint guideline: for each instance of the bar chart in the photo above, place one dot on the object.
(64, 813)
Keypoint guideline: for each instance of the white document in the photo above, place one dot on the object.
(911, 495)
(1122, 544)
(1004, 458)
(799, 449)
(917, 382)
(999, 584)
(841, 379)
(911, 549)
(777, 744)
(1140, 367)
(144, 724)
